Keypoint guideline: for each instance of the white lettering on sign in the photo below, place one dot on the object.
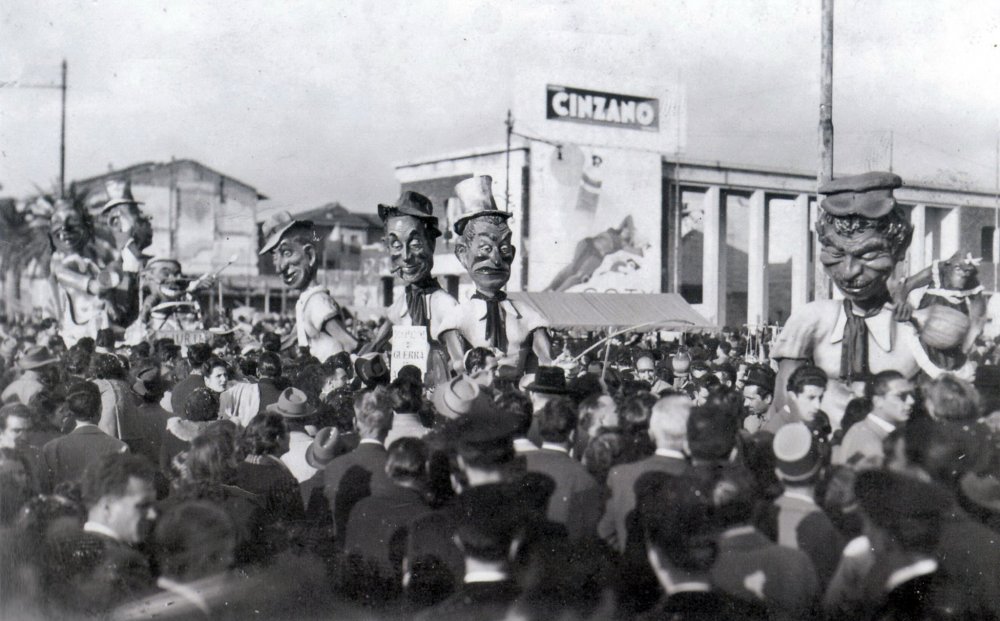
(566, 103)
(409, 346)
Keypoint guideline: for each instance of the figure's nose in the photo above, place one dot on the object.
(495, 255)
(852, 268)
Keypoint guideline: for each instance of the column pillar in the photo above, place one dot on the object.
(798, 239)
(757, 253)
(950, 231)
(713, 274)
(918, 247)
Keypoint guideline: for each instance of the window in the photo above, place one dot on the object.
(986, 243)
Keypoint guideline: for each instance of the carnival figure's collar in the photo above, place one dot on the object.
(880, 327)
(955, 296)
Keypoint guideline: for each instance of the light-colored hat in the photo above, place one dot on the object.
(292, 403)
(119, 193)
(275, 227)
(475, 196)
(36, 358)
(456, 397)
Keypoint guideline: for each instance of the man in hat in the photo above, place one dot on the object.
(143, 431)
(802, 524)
(864, 234)
(37, 375)
(294, 407)
(295, 247)
(484, 248)
(411, 232)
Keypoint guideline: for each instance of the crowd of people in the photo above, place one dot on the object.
(238, 479)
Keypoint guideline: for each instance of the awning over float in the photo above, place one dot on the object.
(645, 311)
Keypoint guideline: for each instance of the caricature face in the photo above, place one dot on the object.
(959, 276)
(411, 248)
(486, 252)
(296, 261)
(69, 230)
(129, 221)
(859, 264)
(166, 276)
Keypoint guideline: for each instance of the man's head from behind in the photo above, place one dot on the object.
(806, 386)
(668, 422)
(373, 413)
(83, 402)
(119, 494)
(194, 540)
(557, 421)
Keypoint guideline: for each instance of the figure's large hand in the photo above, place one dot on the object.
(967, 371)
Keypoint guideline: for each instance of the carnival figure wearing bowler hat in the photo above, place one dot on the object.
(295, 247)
(410, 235)
(483, 245)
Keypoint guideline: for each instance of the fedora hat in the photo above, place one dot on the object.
(275, 227)
(550, 380)
(36, 357)
(475, 197)
(323, 448)
(292, 403)
(119, 193)
(413, 204)
(456, 397)
(370, 368)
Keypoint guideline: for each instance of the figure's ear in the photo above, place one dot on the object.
(311, 254)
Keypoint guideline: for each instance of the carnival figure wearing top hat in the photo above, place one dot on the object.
(864, 234)
(295, 247)
(411, 232)
(489, 319)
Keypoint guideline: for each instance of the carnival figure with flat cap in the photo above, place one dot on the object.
(483, 246)
(296, 248)
(81, 286)
(411, 232)
(863, 234)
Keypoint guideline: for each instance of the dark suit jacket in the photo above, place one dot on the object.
(481, 601)
(144, 433)
(750, 566)
(179, 395)
(613, 526)
(577, 499)
(378, 526)
(705, 606)
(351, 477)
(94, 573)
(269, 392)
(67, 457)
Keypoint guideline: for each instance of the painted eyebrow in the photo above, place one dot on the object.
(868, 246)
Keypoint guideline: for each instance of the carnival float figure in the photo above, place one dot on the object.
(952, 284)
(295, 247)
(863, 234)
(81, 286)
(124, 224)
(483, 246)
(167, 299)
(410, 236)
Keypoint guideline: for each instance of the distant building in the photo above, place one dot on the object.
(201, 217)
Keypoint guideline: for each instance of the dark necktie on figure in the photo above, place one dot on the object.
(854, 351)
(416, 303)
(496, 329)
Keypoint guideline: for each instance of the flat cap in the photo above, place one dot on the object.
(868, 195)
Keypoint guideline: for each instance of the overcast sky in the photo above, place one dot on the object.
(313, 102)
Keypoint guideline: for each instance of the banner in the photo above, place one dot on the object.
(566, 103)
(409, 346)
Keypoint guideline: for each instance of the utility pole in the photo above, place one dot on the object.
(62, 137)
(826, 97)
(510, 132)
(822, 281)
